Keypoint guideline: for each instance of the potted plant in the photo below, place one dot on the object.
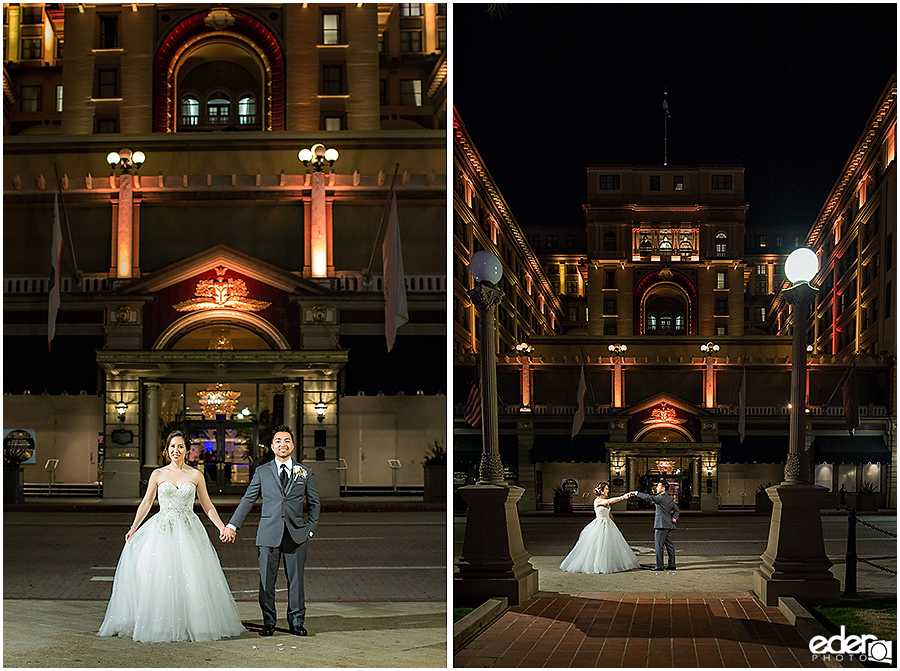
(763, 502)
(435, 466)
(562, 501)
(867, 498)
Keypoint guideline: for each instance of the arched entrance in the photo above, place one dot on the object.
(665, 303)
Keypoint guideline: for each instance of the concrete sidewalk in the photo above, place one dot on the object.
(48, 634)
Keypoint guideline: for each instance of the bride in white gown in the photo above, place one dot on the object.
(601, 547)
(169, 585)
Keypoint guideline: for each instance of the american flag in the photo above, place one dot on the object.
(473, 406)
(666, 107)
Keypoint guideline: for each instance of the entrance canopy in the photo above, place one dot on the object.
(850, 450)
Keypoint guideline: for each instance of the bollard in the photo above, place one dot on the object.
(850, 575)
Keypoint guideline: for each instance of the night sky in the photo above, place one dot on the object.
(784, 90)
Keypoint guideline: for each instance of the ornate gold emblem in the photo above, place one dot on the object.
(221, 292)
(664, 415)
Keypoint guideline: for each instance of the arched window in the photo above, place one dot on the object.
(247, 111)
(218, 111)
(651, 322)
(721, 243)
(665, 322)
(665, 243)
(685, 244)
(645, 242)
(190, 111)
(679, 322)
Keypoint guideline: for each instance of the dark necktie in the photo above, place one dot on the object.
(284, 477)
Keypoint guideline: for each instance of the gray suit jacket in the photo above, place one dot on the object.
(280, 509)
(666, 509)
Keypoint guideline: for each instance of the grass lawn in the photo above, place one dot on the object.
(459, 613)
(868, 616)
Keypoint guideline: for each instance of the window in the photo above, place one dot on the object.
(573, 314)
(332, 80)
(678, 183)
(107, 84)
(410, 9)
(721, 182)
(333, 123)
(441, 9)
(779, 241)
(218, 111)
(331, 28)
(609, 241)
(571, 287)
(109, 27)
(411, 92)
(441, 40)
(762, 241)
(59, 98)
(654, 182)
(32, 14)
(190, 111)
(761, 269)
(721, 330)
(382, 91)
(609, 328)
(651, 322)
(552, 241)
(571, 241)
(609, 306)
(721, 243)
(665, 322)
(609, 182)
(247, 111)
(610, 279)
(31, 98)
(721, 306)
(721, 281)
(32, 48)
(761, 287)
(106, 124)
(761, 314)
(679, 322)
(411, 41)
(534, 240)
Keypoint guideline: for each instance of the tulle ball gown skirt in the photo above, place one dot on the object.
(601, 548)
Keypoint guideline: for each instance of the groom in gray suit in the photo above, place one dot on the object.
(284, 485)
(667, 513)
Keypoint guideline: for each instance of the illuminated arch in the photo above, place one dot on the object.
(224, 317)
(644, 433)
(192, 33)
(679, 282)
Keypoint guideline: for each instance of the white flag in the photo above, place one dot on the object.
(579, 414)
(55, 272)
(396, 313)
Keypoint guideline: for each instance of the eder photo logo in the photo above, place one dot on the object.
(864, 647)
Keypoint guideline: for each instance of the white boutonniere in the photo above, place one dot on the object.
(299, 471)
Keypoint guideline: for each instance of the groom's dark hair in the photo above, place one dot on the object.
(282, 428)
(665, 484)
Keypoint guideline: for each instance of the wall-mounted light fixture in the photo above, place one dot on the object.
(121, 409)
(317, 155)
(320, 410)
(125, 160)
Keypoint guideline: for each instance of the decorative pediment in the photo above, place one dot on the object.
(222, 292)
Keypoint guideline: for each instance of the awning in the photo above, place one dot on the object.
(563, 449)
(467, 447)
(848, 449)
(754, 450)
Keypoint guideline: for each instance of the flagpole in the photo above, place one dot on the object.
(665, 129)
(65, 216)
(368, 271)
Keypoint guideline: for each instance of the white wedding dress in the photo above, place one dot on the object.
(169, 585)
(601, 548)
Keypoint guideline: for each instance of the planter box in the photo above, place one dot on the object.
(13, 484)
(763, 503)
(562, 505)
(867, 502)
(435, 484)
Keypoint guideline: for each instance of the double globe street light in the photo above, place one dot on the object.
(318, 155)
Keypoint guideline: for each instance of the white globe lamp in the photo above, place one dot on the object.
(802, 265)
(485, 267)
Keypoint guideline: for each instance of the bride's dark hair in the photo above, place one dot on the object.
(600, 487)
(175, 434)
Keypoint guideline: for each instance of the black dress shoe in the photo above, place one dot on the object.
(657, 568)
(670, 568)
(267, 631)
(299, 631)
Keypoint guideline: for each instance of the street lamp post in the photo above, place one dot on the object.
(125, 161)
(493, 561)
(318, 230)
(617, 354)
(794, 563)
(710, 349)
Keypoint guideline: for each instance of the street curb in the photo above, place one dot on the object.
(469, 626)
(808, 626)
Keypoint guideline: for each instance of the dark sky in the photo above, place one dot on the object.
(784, 90)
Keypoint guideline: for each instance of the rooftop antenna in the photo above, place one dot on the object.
(665, 107)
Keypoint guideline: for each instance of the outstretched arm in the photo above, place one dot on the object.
(608, 502)
(145, 504)
(206, 503)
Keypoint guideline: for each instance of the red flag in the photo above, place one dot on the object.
(473, 406)
(582, 399)
(55, 272)
(396, 313)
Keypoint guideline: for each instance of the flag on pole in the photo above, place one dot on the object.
(742, 412)
(850, 393)
(582, 400)
(473, 406)
(395, 311)
(55, 272)
(666, 107)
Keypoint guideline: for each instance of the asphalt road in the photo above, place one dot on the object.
(353, 557)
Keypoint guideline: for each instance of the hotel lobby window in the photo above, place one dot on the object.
(218, 111)
(247, 111)
(190, 111)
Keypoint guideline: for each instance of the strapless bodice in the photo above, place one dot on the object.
(602, 512)
(176, 502)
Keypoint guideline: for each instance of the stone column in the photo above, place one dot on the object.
(290, 407)
(124, 228)
(151, 425)
(318, 229)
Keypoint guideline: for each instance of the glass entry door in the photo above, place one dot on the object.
(225, 452)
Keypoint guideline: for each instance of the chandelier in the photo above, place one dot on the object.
(218, 399)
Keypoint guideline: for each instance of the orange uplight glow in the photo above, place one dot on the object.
(319, 259)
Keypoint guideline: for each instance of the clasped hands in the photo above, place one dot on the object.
(227, 535)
